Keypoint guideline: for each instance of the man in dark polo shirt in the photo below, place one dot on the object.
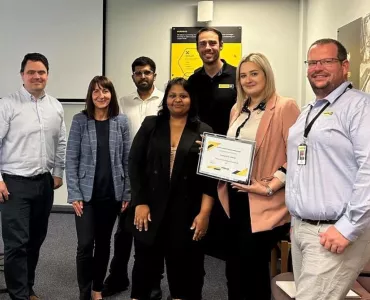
(214, 88)
(214, 83)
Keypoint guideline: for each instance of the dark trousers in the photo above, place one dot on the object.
(94, 230)
(184, 264)
(118, 276)
(247, 263)
(24, 221)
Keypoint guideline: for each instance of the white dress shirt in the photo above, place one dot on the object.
(32, 135)
(137, 109)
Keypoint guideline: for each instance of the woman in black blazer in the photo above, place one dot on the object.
(170, 203)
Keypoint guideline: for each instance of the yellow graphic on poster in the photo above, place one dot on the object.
(184, 55)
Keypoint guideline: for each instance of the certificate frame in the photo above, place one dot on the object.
(226, 158)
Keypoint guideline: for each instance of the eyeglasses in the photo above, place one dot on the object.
(146, 73)
(325, 62)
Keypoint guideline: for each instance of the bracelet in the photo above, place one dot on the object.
(270, 192)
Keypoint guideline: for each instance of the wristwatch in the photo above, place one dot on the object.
(269, 190)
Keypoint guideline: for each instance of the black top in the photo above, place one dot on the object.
(216, 96)
(103, 180)
(176, 200)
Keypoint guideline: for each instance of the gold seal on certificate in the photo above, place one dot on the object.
(226, 158)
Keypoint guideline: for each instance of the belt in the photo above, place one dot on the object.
(35, 177)
(318, 222)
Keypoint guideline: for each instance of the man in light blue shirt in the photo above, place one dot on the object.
(328, 179)
(32, 153)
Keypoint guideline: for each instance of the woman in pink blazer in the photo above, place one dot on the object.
(257, 211)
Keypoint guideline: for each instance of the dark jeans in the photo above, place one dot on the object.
(247, 264)
(24, 221)
(94, 230)
(184, 264)
(118, 274)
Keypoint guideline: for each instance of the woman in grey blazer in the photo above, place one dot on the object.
(97, 181)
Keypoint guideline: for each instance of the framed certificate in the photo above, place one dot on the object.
(226, 158)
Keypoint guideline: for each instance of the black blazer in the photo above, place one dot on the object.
(174, 202)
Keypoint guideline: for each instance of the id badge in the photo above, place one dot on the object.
(302, 154)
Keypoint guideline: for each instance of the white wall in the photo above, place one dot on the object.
(143, 27)
(324, 17)
(60, 195)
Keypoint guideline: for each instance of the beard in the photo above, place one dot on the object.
(321, 87)
(325, 89)
(144, 85)
(211, 61)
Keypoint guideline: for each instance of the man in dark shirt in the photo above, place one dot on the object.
(214, 83)
(213, 86)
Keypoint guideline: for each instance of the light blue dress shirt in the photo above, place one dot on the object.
(32, 135)
(335, 182)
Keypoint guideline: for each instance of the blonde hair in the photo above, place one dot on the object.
(262, 62)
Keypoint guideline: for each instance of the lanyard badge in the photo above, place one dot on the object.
(302, 154)
(302, 148)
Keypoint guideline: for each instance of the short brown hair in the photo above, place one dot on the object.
(207, 29)
(35, 57)
(342, 51)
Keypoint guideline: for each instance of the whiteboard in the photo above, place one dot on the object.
(68, 32)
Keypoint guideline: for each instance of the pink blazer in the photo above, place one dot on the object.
(270, 154)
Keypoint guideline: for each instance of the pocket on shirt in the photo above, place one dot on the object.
(323, 133)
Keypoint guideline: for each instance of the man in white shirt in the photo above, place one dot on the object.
(145, 101)
(32, 153)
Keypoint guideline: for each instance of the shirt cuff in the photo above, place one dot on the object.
(58, 172)
(1, 177)
(347, 229)
(280, 175)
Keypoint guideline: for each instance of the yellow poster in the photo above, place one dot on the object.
(185, 58)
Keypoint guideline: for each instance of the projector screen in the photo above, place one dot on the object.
(68, 32)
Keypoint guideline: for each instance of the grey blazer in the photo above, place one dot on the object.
(81, 157)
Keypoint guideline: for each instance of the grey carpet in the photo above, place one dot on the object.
(56, 272)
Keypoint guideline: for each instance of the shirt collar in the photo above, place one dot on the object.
(333, 95)
(337, 92)
(156, 94)
(29, 96)
(225, 69)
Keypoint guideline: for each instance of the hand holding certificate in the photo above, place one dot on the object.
(226, 158)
